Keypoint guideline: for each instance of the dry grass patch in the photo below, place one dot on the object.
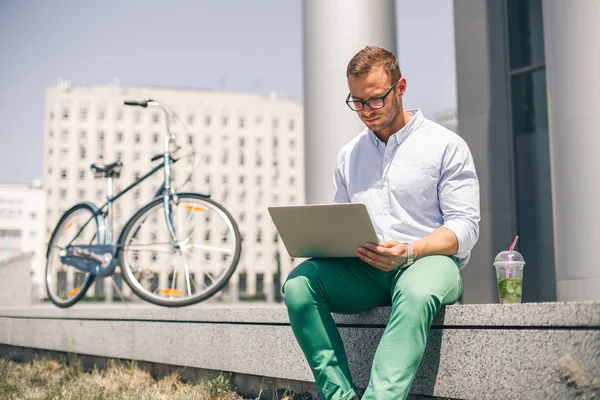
(52, 380)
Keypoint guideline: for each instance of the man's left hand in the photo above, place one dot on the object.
(386, 256)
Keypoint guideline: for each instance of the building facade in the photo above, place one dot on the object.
(528, 95)
(250, 156)
(22, 227)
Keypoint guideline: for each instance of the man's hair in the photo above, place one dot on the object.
(371, 58)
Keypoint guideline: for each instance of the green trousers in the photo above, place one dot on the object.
(320, 286)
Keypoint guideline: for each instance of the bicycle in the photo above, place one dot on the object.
(163, 258)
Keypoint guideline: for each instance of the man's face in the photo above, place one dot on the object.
(376, 84)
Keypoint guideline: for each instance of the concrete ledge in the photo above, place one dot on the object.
(525, 351)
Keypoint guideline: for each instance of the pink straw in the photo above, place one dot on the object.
(510, 250)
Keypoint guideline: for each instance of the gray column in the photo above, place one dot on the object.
(571, 33)
(335, 30)
(483, 121)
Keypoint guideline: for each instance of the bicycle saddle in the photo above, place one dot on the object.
(107, 171)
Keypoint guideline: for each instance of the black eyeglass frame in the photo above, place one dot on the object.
(366, 102)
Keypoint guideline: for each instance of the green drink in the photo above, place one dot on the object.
(510, 290)
(509, 272)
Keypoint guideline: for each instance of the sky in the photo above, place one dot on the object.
(233, 45)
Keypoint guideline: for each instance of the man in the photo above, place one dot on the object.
(419, 184)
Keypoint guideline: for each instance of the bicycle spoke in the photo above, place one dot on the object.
(211, 248)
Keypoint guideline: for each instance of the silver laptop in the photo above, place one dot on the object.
(324, 230)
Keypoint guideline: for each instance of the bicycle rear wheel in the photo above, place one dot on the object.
(190, 269)
(65, 284)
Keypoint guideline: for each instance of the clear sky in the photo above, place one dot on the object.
(235, 45)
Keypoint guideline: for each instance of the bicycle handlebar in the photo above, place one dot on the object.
(143, 104)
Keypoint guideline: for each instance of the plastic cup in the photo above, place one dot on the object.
(509, 271)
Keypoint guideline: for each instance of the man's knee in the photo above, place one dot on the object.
(298, 289)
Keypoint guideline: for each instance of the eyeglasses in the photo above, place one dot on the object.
(374, 103)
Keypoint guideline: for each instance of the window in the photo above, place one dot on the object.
(62, 194)
(119, 137)
(63, 173)
(81, 174)
(224, 179)
(275, 142)
(242, 141)
(83, 114)
(65, 113)
(50, 151)
(259, 236)
(275, 123)
(190, 119)
(241, 122)
(101, 115)
(258, 180)
(207, 120)
(65, 135)
(120, 116)
(242, 217)
(224, 121)
(137, 117)
(292, 180)
(155, 117)
(292, 162)
(137, 138)
(260, 283)
(81, 194)
(292, 143)
(119, 155)
(82, 153)
(241, 179)
(242, 159)
(292, 124)
(136, 156)
(82, 135)
(242, 287)
(155, 138)
(207, 179)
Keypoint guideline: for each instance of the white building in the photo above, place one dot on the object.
(22, 208)
(252, 150)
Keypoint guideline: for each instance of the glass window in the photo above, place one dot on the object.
(526, 34)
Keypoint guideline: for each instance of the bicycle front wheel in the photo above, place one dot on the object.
(185, 270)
(65, 284)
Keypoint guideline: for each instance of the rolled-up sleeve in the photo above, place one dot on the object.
(458, 192)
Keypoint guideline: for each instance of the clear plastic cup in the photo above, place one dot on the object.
(509, 271)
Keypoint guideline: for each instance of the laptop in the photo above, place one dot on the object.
(323, 230)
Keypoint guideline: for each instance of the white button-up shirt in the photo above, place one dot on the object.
(422, 179)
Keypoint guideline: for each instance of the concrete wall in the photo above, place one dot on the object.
(521, 351)
(15, 280)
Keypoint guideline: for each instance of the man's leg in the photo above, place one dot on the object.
(417, 295)
(315, 289)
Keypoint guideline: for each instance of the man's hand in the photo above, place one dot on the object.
(385, 256)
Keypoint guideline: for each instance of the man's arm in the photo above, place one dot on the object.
(339, 180)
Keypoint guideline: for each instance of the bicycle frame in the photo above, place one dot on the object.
(105, 211)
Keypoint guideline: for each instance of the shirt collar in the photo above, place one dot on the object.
(415, 122)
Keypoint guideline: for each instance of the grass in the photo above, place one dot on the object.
(55, 380)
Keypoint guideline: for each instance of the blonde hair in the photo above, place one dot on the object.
(373, 57)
